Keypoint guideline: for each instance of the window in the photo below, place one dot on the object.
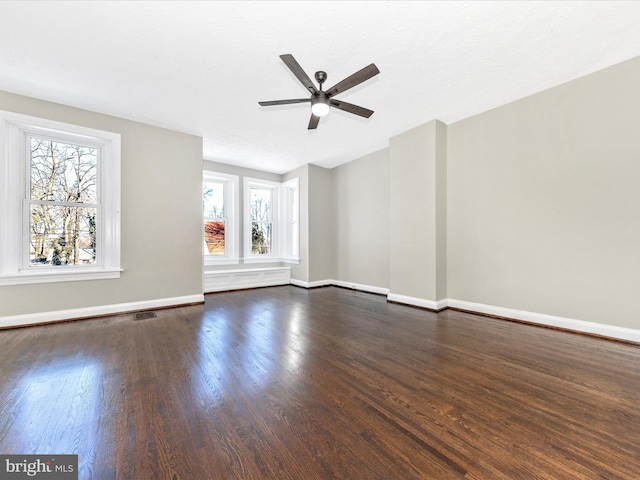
(270, 221)
(61, 202)
(219, 193)
(213, 204)
(261, 203)
(59, 218)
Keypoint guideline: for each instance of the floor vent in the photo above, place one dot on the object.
(144, 315)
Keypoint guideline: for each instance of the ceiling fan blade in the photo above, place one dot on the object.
(351, 81)
(284, 102)
(313, 122)
(297, 70)
(351, 108)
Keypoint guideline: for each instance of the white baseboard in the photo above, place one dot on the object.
(76, 313)
(361, 287)
(222, 280)
(583, 326)
(339, 283)
(418, 302)
(314, 284)
(611, 331)
(252, 278)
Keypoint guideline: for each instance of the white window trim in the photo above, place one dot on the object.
(13, 185)
(291, 218)
(231, 208)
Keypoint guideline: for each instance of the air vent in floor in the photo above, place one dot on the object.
(144, 315)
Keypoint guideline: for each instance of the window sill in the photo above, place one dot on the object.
(262, 260)
(209, 260)
(26, 278)
(271, 260)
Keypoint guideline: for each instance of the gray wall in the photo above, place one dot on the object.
(362, 220)
(240, 171)
(543, 201)
(321, 218)
(161, 217)
(540, 205)
(540, 200)
(417, 211)
(301, 271)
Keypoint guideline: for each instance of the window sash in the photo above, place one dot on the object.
(210, 238)
(261, 238)
(229, 218)
(271, 251)
(28, 202)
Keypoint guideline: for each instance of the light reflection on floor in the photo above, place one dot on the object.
(71, 393)
(296, 346)
(260, 350)
(263, 347)
(209, 371)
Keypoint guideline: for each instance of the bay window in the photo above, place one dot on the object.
(269, 230)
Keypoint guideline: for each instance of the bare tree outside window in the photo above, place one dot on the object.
(261, 221)
(63, 203)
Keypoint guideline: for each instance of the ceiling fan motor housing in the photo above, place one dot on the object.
(321, 77)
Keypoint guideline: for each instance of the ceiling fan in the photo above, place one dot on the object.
(320, 100)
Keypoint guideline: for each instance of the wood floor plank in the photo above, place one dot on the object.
(287, 383)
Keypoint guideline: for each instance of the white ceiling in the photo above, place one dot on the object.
(201, 67)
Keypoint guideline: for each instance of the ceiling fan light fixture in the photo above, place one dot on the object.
(320, 105)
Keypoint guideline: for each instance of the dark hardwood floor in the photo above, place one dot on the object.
(286, 383)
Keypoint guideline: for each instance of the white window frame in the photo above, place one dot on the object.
(231, 212)
(15, 268)
(285, 211)
(273, 255)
